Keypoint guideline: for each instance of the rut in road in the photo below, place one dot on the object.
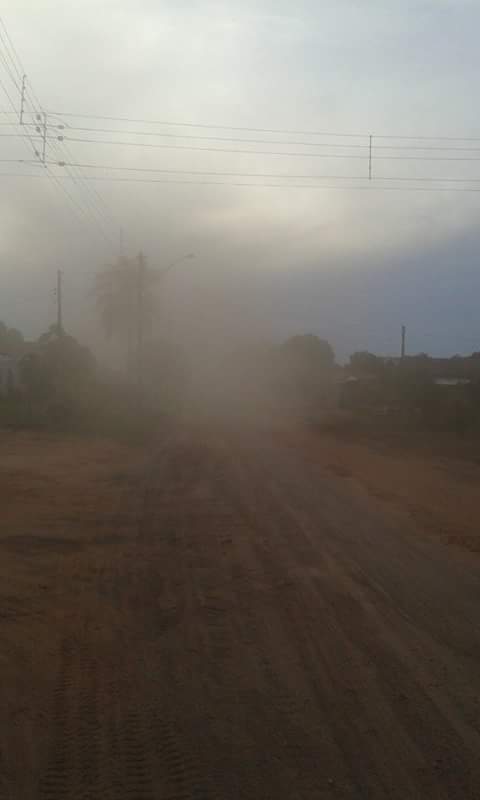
(229, 649)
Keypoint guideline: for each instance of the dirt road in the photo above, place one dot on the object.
(248, 625)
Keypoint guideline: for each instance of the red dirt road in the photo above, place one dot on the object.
(250, 626)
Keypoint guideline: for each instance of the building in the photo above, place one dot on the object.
(9, 374)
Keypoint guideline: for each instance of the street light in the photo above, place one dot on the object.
(186, 257)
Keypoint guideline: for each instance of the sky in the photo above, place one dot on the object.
(326, 250)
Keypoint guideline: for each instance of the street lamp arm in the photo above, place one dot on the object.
(175, 263)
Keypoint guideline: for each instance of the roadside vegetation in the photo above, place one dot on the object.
(60, 385)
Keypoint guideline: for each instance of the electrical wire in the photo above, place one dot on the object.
(277, 175)
(369, 187)
(96, 196)
(15, 58)
(220, 173)
(93, 203)
(216, 138)
(282, 131)
(92, 211)
(84, 210)
(6, 64)
(376, 157)
(268, 152)
(375, 147)
(213, 149)
(27, 136)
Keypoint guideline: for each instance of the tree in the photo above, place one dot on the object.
(57, 374)
(363, 362)
(11, 340)
(309, 353)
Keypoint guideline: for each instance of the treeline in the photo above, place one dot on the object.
(416, 391)
(60, 385)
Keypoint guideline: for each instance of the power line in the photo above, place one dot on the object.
(17, 63)
(375, 147)
(370, 187)
(221, 173)
(27, 136)
(36, 152)
(283, 131)
(350, 156)
(210, 126)
(88, 210)
(92, 198)
(216, 138)
(374, 150)
(6, 64)
(279, 175)
(94, 203)
(100, 202)
(187, 147)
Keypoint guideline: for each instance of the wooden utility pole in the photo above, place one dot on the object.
(404, 333)
(141, 266)
(59, 304)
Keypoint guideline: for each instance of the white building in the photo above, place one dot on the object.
(9, 374)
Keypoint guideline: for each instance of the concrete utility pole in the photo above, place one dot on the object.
(404, 333)
(59, 303)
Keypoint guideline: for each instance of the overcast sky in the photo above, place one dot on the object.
(347, 259)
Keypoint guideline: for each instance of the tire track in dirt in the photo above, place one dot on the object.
(408, 756)
(55, 783)
(99, 742)
(179, 768)
(280, 702)
(207, 530)
(245, 659)
(305, 743)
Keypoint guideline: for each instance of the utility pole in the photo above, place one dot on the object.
(404, 332)
(140, 316)
(44, 136)
(22, 102)
(59, 304)
(41, 128)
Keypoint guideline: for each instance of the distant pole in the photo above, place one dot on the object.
(44, 136)
(404, 333)
(140, 316)
(59, 303)
(22, 101)
(370, 158)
